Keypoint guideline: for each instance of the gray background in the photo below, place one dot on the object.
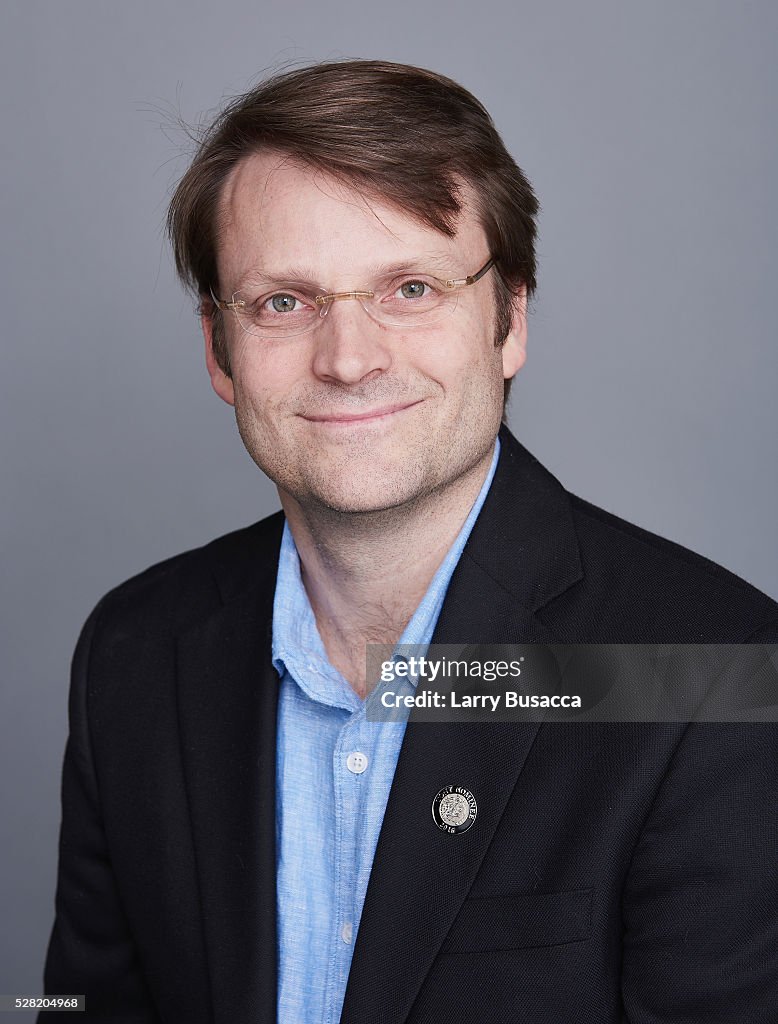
(648, 131)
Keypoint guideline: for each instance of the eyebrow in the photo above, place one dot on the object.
(430, 261)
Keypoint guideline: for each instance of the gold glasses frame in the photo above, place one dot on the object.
(325, 300)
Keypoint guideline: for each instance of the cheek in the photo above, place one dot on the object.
(474, 375)
(263, 380)
(251, 398)
(244, 355)
(463, 357)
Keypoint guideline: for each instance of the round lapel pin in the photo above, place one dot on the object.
(454, 809)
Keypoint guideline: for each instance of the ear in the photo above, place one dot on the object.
(514, 349)
(220, 382)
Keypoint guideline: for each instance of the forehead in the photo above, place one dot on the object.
(276, 213)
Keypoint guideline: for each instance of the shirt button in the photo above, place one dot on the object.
(356, 762)
(346, 931)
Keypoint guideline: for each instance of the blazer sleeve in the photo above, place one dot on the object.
(700, 905)
(91, 950)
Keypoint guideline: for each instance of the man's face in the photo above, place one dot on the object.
(356, 416)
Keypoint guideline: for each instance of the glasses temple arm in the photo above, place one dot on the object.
(471, 278)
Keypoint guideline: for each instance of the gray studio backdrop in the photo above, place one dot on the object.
(650, 389)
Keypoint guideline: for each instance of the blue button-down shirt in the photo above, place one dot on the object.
(334, 770)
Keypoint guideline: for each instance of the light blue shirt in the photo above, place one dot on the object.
(334, 770)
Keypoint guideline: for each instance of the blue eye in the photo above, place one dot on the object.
(413, 289)
(283, 303)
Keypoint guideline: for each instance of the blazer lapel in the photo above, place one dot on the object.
(227, 696)
(521, 553)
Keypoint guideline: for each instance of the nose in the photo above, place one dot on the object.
(349, 346)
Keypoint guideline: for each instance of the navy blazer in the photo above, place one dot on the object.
(614, 873)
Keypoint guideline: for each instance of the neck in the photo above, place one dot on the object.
(365, 573)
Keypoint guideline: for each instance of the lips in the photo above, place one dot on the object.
(350, 416)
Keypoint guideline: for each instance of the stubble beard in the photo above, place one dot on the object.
(392, 484)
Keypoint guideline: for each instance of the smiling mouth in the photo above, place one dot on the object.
(346, 418)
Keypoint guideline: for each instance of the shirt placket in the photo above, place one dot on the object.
(351, 765)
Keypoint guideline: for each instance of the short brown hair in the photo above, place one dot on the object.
(403, 134)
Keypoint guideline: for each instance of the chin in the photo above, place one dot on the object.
(359, 490)
(363, 478)
(355, 500)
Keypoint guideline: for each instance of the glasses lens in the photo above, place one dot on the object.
(275, 314)
(410, 301)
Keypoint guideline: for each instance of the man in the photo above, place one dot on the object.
(239, 843)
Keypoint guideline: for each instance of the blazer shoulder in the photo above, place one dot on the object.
(175, 593)
(666, 582)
